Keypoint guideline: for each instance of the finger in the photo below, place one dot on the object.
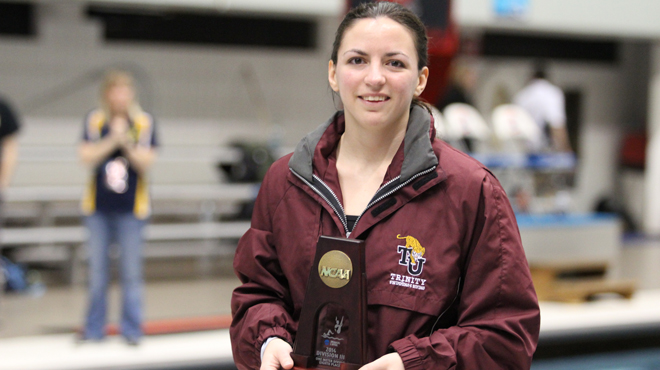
(377, 364)
(374, 365)
(266, 365)
(284, 357)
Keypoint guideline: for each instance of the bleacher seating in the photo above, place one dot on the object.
(192, 203)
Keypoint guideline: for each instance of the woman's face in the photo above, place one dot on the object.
(376, 73)
(119, 98)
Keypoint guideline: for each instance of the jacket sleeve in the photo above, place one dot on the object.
(261, 304)
(497, 311)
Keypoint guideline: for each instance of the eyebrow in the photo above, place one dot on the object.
(390, 54)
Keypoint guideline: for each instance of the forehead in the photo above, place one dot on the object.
(380, 32)
(120, 85)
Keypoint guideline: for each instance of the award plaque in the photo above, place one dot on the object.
(332, 326)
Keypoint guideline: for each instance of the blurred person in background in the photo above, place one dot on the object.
(545, 102)
(119, 142)
(9, 127)
(462, 82)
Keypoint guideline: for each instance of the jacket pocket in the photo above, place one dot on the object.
(421, 303)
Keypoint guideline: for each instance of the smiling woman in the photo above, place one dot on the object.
(448, 286)
(376, 74)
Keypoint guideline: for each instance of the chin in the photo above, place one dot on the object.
(376, 122)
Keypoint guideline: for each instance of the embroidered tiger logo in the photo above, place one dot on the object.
(417, 249)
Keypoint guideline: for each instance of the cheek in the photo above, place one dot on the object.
(115, 97)
(120, 96)
(404, 86)
(347, 80)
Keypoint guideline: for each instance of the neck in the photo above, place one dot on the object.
(118, 113)
(367, 148)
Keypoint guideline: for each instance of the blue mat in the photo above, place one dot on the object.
(564, 220)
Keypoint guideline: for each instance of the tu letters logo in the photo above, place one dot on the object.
(411, 255)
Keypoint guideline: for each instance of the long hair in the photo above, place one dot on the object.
(114, 78)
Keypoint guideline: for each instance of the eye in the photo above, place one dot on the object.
(396, 64)
(356, 60)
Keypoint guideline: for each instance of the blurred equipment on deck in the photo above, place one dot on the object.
(251, 167)
(570, 254)
(515, 128)
(577, 282)
(252, 164)
(465, 128)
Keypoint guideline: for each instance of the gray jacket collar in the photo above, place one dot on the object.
(418, 153)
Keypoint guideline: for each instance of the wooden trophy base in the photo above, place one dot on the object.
(332, 326)
(306, 360)
(344, 366)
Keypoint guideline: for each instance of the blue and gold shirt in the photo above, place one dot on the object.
(115, 186)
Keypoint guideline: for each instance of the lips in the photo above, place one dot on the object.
(374, 98)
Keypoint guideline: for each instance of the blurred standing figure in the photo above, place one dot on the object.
(119, 145)
(545, 102)
(462, 82)
(9, 126)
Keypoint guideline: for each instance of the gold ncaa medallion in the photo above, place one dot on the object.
(335, 269)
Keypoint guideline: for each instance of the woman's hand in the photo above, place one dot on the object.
(277, 355)
(391, 361)
(118, 125)
(119, 131)
(94, 153)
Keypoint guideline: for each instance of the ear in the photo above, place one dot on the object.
(421, 81)
(332, 76)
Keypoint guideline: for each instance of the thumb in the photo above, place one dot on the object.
(284, 357)
(369, 366)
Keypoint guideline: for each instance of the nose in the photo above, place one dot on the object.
(375, 75)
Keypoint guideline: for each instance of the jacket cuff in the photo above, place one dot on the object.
(272, 332)
(408, 353)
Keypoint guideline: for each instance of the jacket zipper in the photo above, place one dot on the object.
(377, 198)
(342, 216)
(339, 212)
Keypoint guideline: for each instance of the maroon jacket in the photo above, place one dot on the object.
(465, 300)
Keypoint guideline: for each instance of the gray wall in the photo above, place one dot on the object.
(202, 102)
(198, 94)
(178, 81)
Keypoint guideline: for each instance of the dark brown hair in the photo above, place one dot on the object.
(395, 12)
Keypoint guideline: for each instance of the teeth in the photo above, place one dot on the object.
(374, 98)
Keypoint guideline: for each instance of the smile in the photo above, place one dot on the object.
(374, 98)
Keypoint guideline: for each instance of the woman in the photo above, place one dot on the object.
(119, 146)
(464, 298)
